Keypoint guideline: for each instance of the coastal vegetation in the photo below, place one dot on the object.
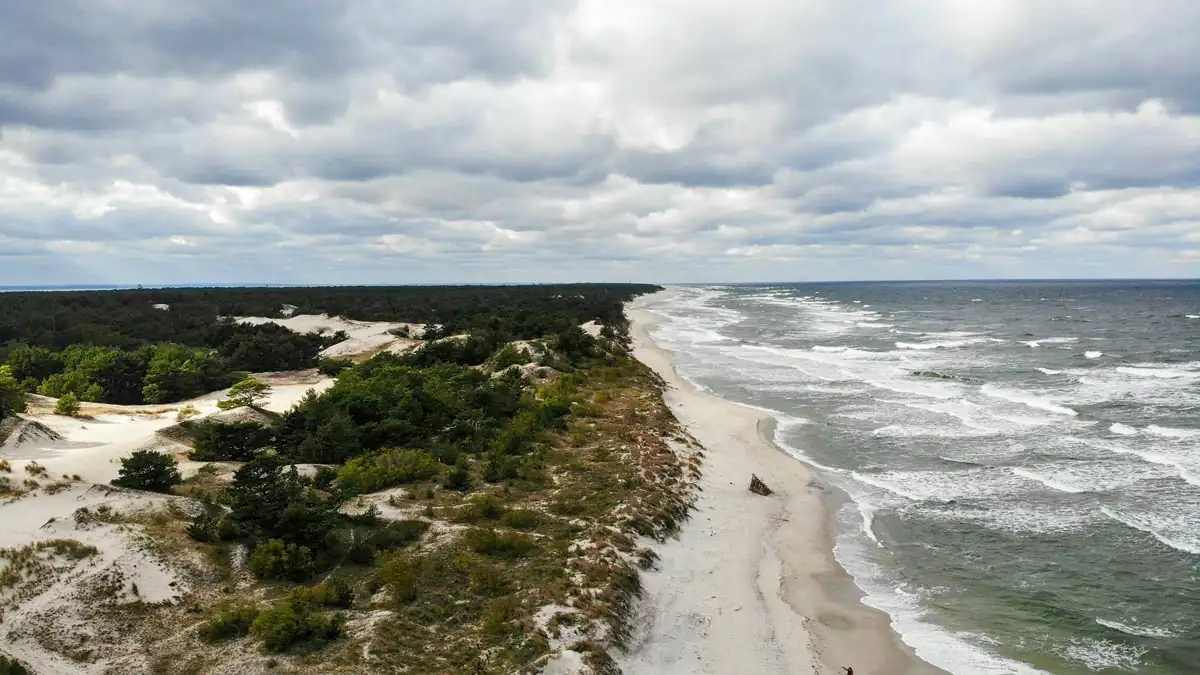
(166, 345)
(478, 504)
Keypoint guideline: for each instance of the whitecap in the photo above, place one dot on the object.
(1140, 631)
(1103, 655)
(1122, 429)
(1047, 481)
(1162, 373)
(1093, 355)
(1168, 432)
(1025, 398)
(1049, 341)
(867, 511)
(1192, 316)
(1139, 523)
(1048, 371)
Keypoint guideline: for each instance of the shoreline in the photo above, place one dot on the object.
(751, 585)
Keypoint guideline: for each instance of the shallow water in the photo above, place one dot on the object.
(1023, 458)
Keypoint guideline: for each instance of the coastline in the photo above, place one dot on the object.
(751, 584)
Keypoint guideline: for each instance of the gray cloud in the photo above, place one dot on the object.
(577, 139)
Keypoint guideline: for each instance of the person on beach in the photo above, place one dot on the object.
(849, 671)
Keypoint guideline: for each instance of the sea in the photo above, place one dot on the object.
(1016, 464)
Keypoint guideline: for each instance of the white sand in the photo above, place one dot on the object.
(365, 337)
(751, 586)
(93, 448)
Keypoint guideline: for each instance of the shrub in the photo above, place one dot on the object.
(234, 442)
(278, 561)
(385, 469)
(498, 544)
(483, 507)
(510, 355)
(212, 527)
(148, 470)
(68, 405)
(296, 622)
(186, 413)
(331, 367)
(248, 393)
(460, 477)
(395, 536)
(521, 519)
(11, 667)
(401, 572)
(228, 622)
(332, 593)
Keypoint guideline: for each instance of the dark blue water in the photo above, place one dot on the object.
(1022, 459)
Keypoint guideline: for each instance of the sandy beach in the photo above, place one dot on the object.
(751, 585)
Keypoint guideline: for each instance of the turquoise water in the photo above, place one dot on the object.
(1021, 460)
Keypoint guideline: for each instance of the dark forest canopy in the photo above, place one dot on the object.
(164, 345)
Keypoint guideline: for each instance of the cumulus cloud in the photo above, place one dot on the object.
(546, 140)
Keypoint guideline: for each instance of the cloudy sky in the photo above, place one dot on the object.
(389, 141)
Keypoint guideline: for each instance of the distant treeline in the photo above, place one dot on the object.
(159, 346)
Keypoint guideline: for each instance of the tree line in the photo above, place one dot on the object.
(166, 345)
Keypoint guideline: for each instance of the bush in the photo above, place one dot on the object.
(521, 519)
(460, 477)
(332, 593)
(148, 470)
(330, 367)
(498, 544)
(68, 405)
(275, 560)
(234, 442)
(401, 572)
(12, 667)
(247, 393)
(228, 622)
(483, 507)
(212, 527)
(296, 622)
(385, 469)
(395, 536)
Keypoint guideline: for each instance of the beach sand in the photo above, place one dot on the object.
(751, 585)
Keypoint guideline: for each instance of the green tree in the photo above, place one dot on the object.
(148, 470)
(276, 561)
(177, 372)
(30, 362)
(68, 405)
(233, 442)
(12, 397)
(248, 393)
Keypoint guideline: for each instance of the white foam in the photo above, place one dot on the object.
(1104, 655)
(1141, 523)
(1048, 481)
(1122, 429)
(1093, 355)
(1049, 341)
(1025, 398)
(942, 344)
(1192, 316)
(1048, 371)
(1168, 432)
(1163, 373)
(867, 511)
(1140, 631)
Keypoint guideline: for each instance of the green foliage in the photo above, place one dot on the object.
(270, 501)
(510, 355)
(278, 561)
(332, 593)
(211, 527)
(460, 477)
(296, 623)
(12, 396)
(332, 367)
(67, 405)
(385, 469)
(521, 519)
(177, 372)
(12, 667)
(229, 621)
(498, 543)
(395, 536)
(233, 442)
(247, 393)
(148, 470)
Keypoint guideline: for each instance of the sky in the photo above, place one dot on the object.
(398, 141)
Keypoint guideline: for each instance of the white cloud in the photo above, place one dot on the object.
(538, 140)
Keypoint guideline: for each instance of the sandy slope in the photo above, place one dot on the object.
(751, 586)
(364, 336)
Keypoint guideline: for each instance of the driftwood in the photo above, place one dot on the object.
(758, 487)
